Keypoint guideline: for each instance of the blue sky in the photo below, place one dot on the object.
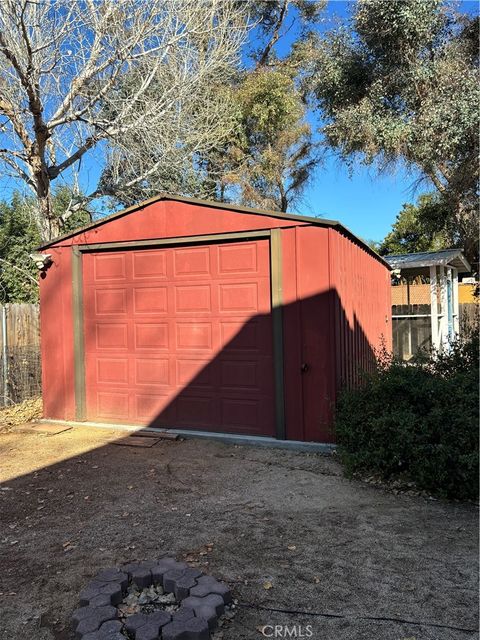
(364, 201)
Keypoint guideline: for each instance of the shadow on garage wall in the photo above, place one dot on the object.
(318, 333)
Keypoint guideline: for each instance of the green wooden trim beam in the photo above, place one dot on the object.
(78, 334)
(181, 240)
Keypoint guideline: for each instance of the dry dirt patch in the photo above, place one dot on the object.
(284, 529)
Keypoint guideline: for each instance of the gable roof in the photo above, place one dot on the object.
(164, 196)
(445, 257)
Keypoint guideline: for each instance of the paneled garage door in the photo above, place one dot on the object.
(180, 337)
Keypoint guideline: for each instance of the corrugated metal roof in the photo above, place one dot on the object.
(445, 257)
(322, 222)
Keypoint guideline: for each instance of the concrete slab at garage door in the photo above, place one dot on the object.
(180, 337)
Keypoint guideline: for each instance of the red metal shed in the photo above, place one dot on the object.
(189, 314)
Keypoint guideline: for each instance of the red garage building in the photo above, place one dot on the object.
(187, 314)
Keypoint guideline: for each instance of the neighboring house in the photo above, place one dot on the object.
(425, 300)
(206, 316)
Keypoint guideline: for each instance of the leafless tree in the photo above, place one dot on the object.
(126, 80)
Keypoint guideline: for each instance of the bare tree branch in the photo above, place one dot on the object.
(135, 80)
(276, 33)
(8, 159)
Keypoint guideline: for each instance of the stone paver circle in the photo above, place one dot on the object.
(199, 601)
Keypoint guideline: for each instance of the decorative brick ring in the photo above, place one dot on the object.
(163, 600)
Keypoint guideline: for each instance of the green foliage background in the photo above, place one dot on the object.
(418, 227)
(19, 237)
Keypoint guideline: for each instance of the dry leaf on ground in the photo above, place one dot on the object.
(21, 413)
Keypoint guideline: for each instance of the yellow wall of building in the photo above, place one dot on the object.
(420, 294)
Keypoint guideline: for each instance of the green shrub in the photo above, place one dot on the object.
(419, 420)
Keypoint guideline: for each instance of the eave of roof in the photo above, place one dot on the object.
(444, 257)
(163, 196)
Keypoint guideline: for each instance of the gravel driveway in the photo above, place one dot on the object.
(284, 529)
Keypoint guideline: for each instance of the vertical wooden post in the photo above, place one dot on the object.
(409, 320)
(277, 322)
(456, 308)
(450, 330)
(443, 338)
(5, 354)
(78, 344)
(434, 307)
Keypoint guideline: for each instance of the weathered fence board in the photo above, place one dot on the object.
(469, 315)
(22, 325)
(20, 366)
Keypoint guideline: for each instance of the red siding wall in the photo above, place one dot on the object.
(292, 332)
(336, 313)
(314, 298)
(164, 219)
(56, 326)
(167, 219)
(361, 309)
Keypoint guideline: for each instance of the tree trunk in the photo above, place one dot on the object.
(48, 223)
(467, 228)
(283, 197)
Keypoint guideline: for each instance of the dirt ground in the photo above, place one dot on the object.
(73, 503)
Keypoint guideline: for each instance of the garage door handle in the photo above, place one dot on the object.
(304, 367)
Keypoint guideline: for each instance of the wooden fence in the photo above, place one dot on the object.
(469, 316)
(20, 365)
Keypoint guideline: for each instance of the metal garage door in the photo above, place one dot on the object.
(180, 337)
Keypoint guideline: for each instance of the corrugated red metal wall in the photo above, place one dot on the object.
(337, 313)
(314, 297)
(56, 334)
(362, 308)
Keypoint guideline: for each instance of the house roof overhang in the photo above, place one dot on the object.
(419, 261)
